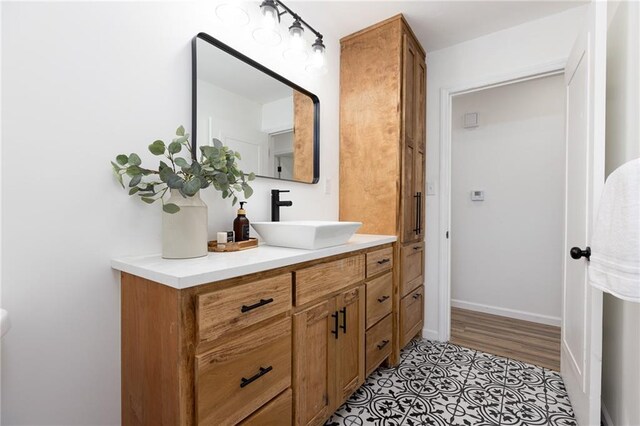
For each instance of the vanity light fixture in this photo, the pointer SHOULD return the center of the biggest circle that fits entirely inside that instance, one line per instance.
(295, 52)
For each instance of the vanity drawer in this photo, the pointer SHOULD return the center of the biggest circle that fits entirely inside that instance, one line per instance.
(235, 308)
(379, 261)
(317, 281)
(235, 379)
(276, 413)
(379, 298)
(412, 263)
(411, 315)
(378, 343)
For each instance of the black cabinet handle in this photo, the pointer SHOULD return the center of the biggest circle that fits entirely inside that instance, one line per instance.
(383, 298)
(343, 311)
(419, 213)
(383, 261)
(262, 302)
(244, 382)
(417, 295)
(577, 253)
(417, 247)
(335, 324)
(417, 228)
(383, 344)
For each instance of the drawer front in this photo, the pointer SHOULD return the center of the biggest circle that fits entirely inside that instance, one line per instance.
(412, 258)
(378, 343)
(275, 413)
(379, 298)
(411, 315)
(235, 379)
(230, 310)
(317, 281)
(379, 261)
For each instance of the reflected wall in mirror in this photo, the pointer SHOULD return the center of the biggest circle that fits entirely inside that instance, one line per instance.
(270, 121)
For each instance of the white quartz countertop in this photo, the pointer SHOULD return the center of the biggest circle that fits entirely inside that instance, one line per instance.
(185, 273)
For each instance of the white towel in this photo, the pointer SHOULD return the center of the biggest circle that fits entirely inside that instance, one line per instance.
(615, 245)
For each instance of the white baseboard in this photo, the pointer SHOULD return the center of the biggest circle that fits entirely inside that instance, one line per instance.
(430, 334)
(604, 415)
(505, 312)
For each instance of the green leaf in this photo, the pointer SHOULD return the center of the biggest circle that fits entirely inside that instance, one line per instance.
(181, 162)
(221, 178)
(191, 187)
(217, 143)
(252, 176)
(204, 184)
(235, 200)
(170, 208)
(148, 200)
(157, 147)
(195, 168)
(175, 182)
(166, 173)
(175, 147)
(248, 191)
(181, 139)
(237, 154)
(135, 181)
(122, 159)
(180, 131)
(134, 190)
(134, 159)
(207, 151)
(134, 171)
(117, 174)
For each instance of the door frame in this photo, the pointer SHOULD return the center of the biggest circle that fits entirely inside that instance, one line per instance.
(446, 99)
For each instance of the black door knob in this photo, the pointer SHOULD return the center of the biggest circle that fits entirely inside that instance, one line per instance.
(577, 252)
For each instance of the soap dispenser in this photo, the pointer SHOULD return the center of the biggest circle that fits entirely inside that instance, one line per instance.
(241, 224)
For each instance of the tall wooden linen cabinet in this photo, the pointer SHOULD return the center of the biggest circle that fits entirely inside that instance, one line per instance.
(382, 153)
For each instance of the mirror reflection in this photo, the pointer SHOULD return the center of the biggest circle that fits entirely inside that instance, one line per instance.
(270, 121)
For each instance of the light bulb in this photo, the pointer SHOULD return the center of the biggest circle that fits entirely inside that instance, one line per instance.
(269, 19)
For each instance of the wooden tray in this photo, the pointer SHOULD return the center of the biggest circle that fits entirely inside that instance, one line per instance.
(242, 245)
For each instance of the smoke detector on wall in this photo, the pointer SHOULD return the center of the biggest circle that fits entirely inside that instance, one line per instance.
(470, 120)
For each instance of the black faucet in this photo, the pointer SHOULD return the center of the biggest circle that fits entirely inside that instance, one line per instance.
(276, 204)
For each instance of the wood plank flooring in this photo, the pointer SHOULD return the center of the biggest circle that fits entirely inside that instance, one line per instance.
(525, 341)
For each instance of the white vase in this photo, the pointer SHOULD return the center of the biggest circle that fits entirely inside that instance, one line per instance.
(184, 234)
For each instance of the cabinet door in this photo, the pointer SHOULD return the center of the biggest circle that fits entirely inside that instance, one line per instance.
(420, 145)
(411, 316)
(350, 344)
(409, 205)
(314, 331)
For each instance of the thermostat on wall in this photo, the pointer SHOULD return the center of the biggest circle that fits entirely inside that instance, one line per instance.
(477, 195)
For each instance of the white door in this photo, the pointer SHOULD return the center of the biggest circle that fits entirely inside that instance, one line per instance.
(585, 78)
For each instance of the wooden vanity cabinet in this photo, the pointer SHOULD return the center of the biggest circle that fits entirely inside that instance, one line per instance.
(383, 147)
(280, 347)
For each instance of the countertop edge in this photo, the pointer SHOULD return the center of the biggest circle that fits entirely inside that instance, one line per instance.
(135, 264)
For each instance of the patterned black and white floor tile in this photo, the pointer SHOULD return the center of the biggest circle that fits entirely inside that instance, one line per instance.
(441, 384)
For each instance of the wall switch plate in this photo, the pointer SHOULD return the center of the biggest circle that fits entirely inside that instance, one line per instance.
(327, 186)
(431, 188)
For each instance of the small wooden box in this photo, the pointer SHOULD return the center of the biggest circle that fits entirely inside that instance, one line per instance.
(241, 245)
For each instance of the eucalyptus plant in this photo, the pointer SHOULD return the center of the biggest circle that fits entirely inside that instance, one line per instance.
(217, 167)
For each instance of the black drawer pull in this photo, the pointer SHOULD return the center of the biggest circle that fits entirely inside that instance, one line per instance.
(417, 247)
(343, 311)
(417, 295)
(335, 324)
(383, 298)
(383, 344)
(262, 302)
(244, 382)
(383, 261)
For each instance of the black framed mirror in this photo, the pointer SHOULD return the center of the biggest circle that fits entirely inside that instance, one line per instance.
(273, 123)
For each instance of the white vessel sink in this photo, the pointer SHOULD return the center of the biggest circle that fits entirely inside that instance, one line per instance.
(306, 234)
(4, 322)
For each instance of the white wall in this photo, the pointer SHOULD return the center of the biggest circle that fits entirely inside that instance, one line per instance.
(519, 48)
(621, 331)
(506, 251)
(83, 82)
